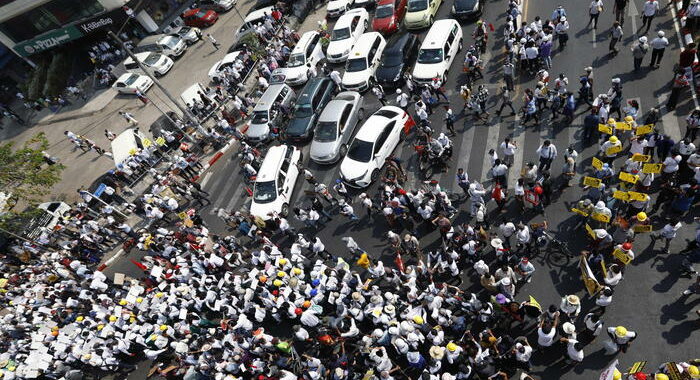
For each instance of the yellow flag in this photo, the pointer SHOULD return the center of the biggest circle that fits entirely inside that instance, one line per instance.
(622, 256)
(580, 212)
(614, 150)
(600, 217)
(598, 164)
(642, 228)
(635, 196)
(147, 143)
(590, 231)
(533, 302)
(160, 141)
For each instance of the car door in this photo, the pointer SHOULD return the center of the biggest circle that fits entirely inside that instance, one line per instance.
(454, 45)
(345, 123)
(282, 180)
(380, 147)
(393, 137)
(399, 9)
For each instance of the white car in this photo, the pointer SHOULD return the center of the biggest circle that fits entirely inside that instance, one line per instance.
(336, 8)
(159, 63)
(189, 34)
(275, 181)
(217, 71)
(374, 142)
(130, 82)
(217, 5)
(363, 62)
(345, 33)
(252, 19)
(439, 49)
(308, 51)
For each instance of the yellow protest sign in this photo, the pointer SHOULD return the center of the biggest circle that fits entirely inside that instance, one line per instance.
(605, 129)
(160, 141)
(600, 217)
(613, 150)
(635, 196)
(132, 151)
(642, 228)
(623, 126)
(641, 157)
(652, 168)
(598, 164)
(580, 212)
(147, 142)
(644, 129)
(592, 182)
(183, 215)
(621, 195)
(637, 367)
(627, 177)
(622, 256)
(589, 281)
(590, 231)
(188, 222)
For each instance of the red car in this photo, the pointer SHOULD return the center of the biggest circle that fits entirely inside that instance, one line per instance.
(200, 18)
(388, 15)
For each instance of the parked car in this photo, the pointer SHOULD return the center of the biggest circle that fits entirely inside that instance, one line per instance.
(128, 83)
(400, 53)
(363, 62)
(313, 97)
(216, 71)
(253, 18)
(189, 34)
(335, 8)
(365, 3)
(421, 13)
(374, 142)
(439, 49)
(467, 9)
(335, 127)
(388, 16)
(199, 17)
(308, 51)
(266, 113)
(345, 33)
(275, 181)
(172, 46)
(160, 64)
(217, 5)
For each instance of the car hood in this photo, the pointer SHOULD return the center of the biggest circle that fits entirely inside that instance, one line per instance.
(294, 72)
(298, 126)
(263, 209)
(465, 5)
(333, 5)
(323, 149)
(351, 169)
(214, 71)
(415, 16)
(428, 70)
(382, 23)
(355, 77)
(257, 130)
(339, 47)
(388, 73)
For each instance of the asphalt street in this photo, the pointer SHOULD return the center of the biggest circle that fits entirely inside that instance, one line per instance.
(648, 300)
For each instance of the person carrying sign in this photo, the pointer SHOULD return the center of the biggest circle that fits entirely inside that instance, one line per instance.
(610, 149)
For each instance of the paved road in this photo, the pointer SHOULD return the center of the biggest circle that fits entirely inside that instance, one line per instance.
(647, 300)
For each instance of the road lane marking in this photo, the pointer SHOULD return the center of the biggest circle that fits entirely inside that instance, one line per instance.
(465, 154)
(517, 136)
(206, 179)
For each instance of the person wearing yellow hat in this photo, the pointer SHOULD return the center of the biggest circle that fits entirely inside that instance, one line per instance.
(617, 375)
(610, 149)
(296, 271)
(122, 302)
(693, 371)
(620, 339)
(453, 352)
(277, 283)
(660, 376)
(139, 300)
(281, 274)
(417, 319)
(112, 318)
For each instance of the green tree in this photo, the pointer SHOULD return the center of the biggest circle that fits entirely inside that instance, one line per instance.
(25, 177)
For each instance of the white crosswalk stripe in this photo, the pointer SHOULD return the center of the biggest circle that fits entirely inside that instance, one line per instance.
(493, 131)
(518, 138)
(464, 154)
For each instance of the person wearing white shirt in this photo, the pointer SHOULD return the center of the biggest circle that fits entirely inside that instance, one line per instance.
(574, 350)
(402, 99)
(546, 332)
(658, 46)
(508, 149)
(594, 10)
(667, 233)
(671, 164)
(651, 9)
(547, 152)
(499, 171)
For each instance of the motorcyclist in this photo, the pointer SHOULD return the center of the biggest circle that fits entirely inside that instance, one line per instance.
(481, 35)
(472, 65)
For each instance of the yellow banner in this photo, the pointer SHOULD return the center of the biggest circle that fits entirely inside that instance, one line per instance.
(621, 195)
(644, 129)
(652, 168)
(623, 126)
(635, 196)
(592, 285)
(642, 228)
(605, 129)
(598, 164)
(133, 151)
(592, 182)
(600, 217)
(580, 212)
(533, 302)
(622, 256)
(614, 150)
(627, 177)
(641, 157)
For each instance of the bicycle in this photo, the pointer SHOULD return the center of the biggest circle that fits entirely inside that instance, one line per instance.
(558, 252)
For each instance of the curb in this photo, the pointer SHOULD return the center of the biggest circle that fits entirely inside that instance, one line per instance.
(215, 158)
(684, 38)
(110, 260)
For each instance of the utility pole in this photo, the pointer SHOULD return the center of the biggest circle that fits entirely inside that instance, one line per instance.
(184, 110)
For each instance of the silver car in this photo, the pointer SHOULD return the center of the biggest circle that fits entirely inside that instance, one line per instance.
(335, 127)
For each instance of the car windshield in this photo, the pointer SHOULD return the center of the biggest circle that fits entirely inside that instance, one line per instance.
(417, 5)
(360, 150)
(260, 117)
(184, 30)
(264, 192)
(392, 59)
(170, 42)
(131, 79)
(340, 34)
(201, 14)
(152, 59)
(296, 60)
(430, 56)
(384, 11)
(303, 110)
(465, 5)
(326, 131)
(356, 64)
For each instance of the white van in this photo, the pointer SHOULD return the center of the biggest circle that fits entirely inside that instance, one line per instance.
(126, 143)
(308, 51)
(363, 62)
(191, 95)
(160, 64)
(264, 116)
(275, 181)
(438, 51)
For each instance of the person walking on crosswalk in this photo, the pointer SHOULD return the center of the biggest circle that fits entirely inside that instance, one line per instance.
(547, 153)
(658, 46)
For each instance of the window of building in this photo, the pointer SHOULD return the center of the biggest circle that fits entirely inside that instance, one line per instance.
(49, 16)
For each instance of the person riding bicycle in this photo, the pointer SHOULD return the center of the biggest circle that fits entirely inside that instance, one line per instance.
(481, 35)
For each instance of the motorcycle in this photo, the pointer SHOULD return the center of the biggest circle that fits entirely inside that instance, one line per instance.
(429, 159)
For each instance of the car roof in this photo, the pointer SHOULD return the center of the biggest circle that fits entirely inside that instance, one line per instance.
(333, 110)
(303, 41)
(258, 14)
(369, 130)
(126, 75)
(271, 163)
(311, 87)
(385, 2)
(364, 43)
(230, 57)
(344, 20)
(191, 11)
(268, 97)
(438, 32)
(397, 42)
